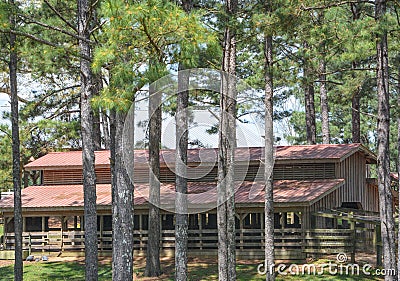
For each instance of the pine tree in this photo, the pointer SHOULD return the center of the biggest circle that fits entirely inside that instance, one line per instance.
(181, 221)
(384, 187)
(88, 157)
(13, 63)
(269, 150)
(226, 152)
(153, 267)
(122, 199)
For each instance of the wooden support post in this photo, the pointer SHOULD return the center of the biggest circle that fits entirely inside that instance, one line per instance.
(303, 234)
(5, 233)
(24, 224)
(63, 220)
(200, 222)
(141, 244)
(353, 241)
(378, 244)
(29, 244)
(101, 232)
(43, 230)
(43, 224)
(81, 222)
(241, 218)
(263, 230)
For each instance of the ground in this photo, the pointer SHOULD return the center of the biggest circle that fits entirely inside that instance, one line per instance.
(63, 268)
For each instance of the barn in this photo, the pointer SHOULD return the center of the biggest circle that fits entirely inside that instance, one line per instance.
(310, 181)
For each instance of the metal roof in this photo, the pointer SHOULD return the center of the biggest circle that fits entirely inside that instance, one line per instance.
(293, 192)
(336, 152)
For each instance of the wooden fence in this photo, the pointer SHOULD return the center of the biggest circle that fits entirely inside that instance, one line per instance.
(289, 243)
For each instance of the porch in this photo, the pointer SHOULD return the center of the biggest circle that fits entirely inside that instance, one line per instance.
(293, 241)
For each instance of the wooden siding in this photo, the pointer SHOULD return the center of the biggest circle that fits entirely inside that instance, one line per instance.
(353, 170)
(355, 189)
(372, 200)
(328, 202)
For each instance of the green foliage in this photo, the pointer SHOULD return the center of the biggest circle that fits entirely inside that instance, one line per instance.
(141, 42)
(5, 159)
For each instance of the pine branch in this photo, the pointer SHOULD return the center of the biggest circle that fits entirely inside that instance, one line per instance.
(52, 93)
(58, 113)
(60, 16)
(5, 132)
(6, 90)
(43, 41)
(55, 28)
(337, 4)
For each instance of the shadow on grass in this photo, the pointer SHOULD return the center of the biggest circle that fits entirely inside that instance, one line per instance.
(199, 270)
(70, 271)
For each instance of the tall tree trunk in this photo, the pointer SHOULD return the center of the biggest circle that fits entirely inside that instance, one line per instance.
(269, 154)
(356, 98)
(324, 102)
(153, 267)
(88, 157)
(106, 130)
(18, 265)
(227, 145)
(398, 157)
(181, 224)
(96, 130)
(309, 97)
(355, 117)
(122, 206)
(97, 86)
(384, 188)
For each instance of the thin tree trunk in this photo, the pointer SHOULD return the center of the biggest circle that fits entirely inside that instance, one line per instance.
(227, 145)
(269, 154)
(384, 188)
(88, 157)
(324, 102)
(96, 130)
(181, 225)
(153, 267)
(106, 130)
(356, 98)
(122, 207)
(18, 265)
(309, 102)
(398, 158)
(97, 83)
(355, 117)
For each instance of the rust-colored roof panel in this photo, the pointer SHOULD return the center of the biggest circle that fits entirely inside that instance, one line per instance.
(285, 191)
(73, 159)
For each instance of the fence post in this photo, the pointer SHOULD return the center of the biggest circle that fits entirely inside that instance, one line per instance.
(30, 244)
(353, 241)
(377, 244)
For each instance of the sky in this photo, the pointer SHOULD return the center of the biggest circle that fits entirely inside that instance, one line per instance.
(249, 134)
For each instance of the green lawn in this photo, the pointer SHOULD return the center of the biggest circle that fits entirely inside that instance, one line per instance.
(198, 271)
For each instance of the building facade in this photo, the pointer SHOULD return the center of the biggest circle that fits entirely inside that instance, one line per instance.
(307, 179)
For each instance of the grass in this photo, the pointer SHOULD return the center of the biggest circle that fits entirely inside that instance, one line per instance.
(199, 270)
(54, 271)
